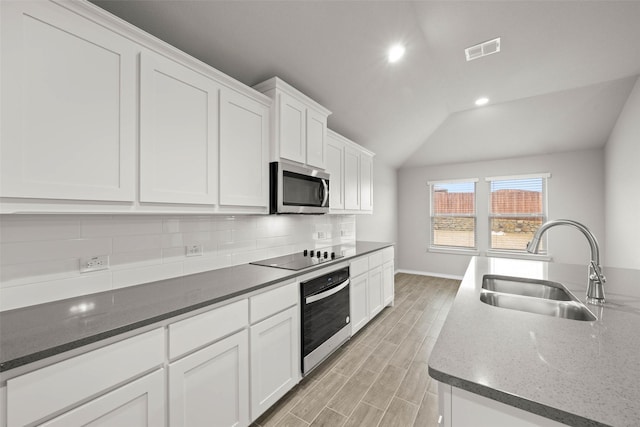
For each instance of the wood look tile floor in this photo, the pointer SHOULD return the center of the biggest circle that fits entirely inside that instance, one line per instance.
(378, 378)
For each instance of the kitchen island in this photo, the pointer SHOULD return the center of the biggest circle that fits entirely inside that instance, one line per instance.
(580, 373)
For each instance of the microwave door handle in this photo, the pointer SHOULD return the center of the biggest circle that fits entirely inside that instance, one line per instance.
(325, 192)
(326, 294)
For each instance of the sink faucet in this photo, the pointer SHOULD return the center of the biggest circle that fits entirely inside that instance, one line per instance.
(595, 288)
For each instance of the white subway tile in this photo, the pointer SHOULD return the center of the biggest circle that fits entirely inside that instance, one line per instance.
(33, 272)
(195, 224)
(173, 254)
(200, 264)
(36, 228)
(124, 260)
(38, 293)
(137, 276)
(136, 243)
(172, 240)
(171, 225)
(24, 252)
(121, 226)
(235, 247)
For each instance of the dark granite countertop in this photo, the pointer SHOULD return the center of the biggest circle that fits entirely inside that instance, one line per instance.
(579, 373)
(37, 332)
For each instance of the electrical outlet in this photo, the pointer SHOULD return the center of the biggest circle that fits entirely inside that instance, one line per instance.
(94, 263)
(193, 250)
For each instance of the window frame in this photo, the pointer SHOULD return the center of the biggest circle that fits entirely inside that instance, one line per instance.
(545, 215)
(432, 247)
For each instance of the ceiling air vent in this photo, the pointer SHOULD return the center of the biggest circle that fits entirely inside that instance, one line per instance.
(482, 49)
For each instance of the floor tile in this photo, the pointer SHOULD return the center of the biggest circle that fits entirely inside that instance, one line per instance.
(399, 413)
(328, 418)
(385, 386)
(365, 416)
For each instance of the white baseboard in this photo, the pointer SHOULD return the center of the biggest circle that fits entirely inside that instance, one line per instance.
(427, 273)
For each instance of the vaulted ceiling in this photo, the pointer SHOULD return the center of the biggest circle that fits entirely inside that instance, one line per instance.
(559, 83)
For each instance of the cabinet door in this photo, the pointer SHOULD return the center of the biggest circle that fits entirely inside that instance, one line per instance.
(292, 130)
(351, 178)
(244, 145)
(68, 106)
(335, 167)
(359, 302)
(211, 386)
(366, 182)
(316, 139)
(275, 359)
(388, 285)
(376, 292)
(178, 133)
(137, 404)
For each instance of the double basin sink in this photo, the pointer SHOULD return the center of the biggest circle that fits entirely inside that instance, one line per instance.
(533, 296)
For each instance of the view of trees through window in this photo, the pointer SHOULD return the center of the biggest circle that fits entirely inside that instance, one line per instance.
(516, 210)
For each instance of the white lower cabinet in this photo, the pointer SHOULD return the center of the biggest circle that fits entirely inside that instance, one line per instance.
(275, 359)
(388, 283)
(358, 302)
(371, 286)
(375, 292)
(140, 403)
(211, 386)
(460, 408)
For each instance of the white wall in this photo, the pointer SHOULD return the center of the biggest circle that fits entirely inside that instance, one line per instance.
(39, 254)
(575, 191)
(382, 225)
(622, 183)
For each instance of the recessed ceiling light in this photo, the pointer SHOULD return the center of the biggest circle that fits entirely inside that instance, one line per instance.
(396, 52)
(482, 101)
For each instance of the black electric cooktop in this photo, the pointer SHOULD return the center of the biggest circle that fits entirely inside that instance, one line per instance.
(302, 260)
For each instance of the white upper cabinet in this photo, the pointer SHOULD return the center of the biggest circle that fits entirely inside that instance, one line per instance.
(178, 133)
(316, 139)
(94, 110)
(366, 182)
(351, 178)
(68, 106)
(298, 124)
(292, 128)
(351, 170)
(244, 147)
(335, 167)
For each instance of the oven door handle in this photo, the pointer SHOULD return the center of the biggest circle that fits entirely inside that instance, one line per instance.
(326, 294)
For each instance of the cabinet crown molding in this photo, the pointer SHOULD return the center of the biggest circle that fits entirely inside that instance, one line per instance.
(279, 84)
(100, 16)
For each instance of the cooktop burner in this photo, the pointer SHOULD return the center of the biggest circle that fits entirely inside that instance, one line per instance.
(302, 260)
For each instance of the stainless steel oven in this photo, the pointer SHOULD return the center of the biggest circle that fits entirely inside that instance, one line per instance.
(298, 189)
(325, 316)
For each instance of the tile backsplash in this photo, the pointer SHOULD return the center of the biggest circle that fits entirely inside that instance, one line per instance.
(40, 255)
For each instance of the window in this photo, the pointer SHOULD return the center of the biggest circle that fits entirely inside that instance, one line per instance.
(453, 214)
(517, 207)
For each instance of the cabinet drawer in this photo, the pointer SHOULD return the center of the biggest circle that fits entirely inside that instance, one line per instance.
(375, 259)
(271, 302)
(387, 254)
(38, 394)
(359, 266)
(205, 328)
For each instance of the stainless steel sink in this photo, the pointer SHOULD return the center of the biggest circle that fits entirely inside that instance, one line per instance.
(526, 287)
(533, 296)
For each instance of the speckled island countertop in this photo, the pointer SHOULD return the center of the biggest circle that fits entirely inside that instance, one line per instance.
(579, 373)
(37, 332)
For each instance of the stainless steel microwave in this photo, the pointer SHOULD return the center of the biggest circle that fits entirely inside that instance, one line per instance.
(297, 189)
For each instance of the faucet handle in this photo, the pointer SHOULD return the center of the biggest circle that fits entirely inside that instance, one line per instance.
(596, 273)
